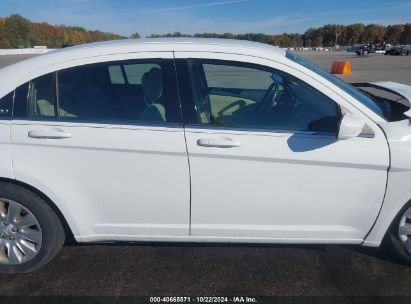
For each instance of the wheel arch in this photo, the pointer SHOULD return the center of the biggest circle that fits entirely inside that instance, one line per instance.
(388, 215)
(396, 217)
(67, 229)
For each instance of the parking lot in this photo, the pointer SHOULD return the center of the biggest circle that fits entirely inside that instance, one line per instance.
(210, 270)
(373, 67)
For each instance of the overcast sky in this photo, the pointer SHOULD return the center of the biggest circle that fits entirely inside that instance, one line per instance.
(192, 16)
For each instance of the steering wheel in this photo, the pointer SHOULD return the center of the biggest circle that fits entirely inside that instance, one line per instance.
(240, 103)
(269, 97)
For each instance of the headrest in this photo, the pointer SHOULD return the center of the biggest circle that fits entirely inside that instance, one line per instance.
(152, 84)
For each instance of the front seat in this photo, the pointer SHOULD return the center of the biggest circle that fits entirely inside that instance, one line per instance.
(152, 85)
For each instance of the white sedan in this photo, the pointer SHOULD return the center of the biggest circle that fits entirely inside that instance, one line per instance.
(196, 140)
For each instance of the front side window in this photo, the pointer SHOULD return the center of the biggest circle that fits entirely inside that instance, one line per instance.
(238, 95)
(125, 91)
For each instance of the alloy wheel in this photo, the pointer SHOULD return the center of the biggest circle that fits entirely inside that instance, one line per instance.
(20, 233)
(404, 230)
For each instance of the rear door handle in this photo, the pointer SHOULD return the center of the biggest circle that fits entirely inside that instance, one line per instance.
(49, 134)
(218, 143)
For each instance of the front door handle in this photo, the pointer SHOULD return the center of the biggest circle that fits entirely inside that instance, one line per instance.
(49, 134)
(218, 143)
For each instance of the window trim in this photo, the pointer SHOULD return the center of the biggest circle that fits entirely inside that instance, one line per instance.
(109, 123)
(186, 93)
(23, 100)
(190, 116)
(56, 101)
(7, 113)
(247, 130)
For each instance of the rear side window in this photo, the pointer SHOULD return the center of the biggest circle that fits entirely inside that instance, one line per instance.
(116, 75)
(125, 91)
(130, 73)
(135, 72)
(41, 96)
(6, 104)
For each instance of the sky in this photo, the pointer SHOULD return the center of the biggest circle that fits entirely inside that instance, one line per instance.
(198, 16)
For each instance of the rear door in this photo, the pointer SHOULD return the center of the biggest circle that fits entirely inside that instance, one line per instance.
(106, 143)
(264, 159)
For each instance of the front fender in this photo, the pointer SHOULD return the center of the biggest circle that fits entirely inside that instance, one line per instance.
(398, 191)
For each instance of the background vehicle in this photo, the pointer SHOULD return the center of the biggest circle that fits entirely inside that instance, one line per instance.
(194, 140)
(371, 48)
(366, 49)
(398, 50)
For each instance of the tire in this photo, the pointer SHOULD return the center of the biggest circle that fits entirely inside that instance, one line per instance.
(392, 243)
(47, 225)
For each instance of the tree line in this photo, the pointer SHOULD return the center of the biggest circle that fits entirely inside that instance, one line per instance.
(16, 31)
(326, 36)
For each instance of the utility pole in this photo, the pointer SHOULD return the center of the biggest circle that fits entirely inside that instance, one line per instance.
(337, 30)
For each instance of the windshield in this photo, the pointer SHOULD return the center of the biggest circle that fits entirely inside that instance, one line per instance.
(357, 94)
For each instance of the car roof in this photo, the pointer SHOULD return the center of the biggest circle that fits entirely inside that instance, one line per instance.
(11, 75)
(199, 43)
(233, 46)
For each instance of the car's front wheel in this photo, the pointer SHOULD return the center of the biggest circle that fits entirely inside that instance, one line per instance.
(398, 237)
(30, 231)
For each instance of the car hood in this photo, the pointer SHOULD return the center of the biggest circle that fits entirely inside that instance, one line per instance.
(396, 88)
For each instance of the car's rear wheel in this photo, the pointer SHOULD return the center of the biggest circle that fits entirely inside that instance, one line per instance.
(398, 238)
(30, 231)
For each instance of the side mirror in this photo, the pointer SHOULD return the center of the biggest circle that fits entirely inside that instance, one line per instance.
(350, 126)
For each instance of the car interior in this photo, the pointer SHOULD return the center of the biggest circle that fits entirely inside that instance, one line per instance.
(97, 92)
(283, 103)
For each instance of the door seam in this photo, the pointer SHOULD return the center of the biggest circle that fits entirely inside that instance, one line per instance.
(189, 176)
(386, 187)
(185, 140)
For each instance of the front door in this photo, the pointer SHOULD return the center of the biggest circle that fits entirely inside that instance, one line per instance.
(265, 162)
